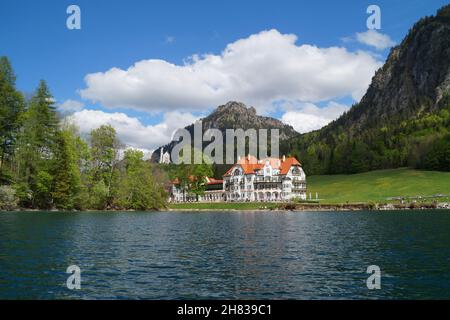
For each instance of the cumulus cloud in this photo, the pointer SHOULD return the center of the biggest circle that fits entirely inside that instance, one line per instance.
(130, 130)
(308, 117)
(71, 106)
(263, 68)
(375, 39)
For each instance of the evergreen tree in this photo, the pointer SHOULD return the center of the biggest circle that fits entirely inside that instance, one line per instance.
(66, 173)
(36, 146)
(11, 108)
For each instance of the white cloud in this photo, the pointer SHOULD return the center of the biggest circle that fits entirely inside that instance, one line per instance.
(71, 106)
(375, 39)
(308, 117)
(263, 68)
(169, 40)
(130, 130)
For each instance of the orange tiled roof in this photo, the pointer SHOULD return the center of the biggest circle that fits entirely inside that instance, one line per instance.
(213, 181)
(250, 164)
(287, 164)
(177, 181)
(208, 180)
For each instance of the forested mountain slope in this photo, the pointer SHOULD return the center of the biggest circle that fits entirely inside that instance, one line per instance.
(403, 119)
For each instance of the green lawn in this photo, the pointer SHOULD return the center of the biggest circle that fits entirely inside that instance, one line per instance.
(378, 185)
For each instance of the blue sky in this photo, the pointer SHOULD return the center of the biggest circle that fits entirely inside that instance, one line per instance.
(118, 34)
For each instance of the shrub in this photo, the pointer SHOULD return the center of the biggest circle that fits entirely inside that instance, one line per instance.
(8, 198)
(372, 205)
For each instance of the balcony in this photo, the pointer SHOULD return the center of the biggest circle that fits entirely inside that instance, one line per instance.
(267, 180)
(299, 189)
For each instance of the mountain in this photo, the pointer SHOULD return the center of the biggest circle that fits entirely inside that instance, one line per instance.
(235, 115)
(403, 119)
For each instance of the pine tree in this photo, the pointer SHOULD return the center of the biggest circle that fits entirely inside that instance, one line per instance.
(66, 173)
(36, 150)
(11, 108)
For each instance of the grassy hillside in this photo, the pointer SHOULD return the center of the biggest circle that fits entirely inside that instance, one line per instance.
(378, 185)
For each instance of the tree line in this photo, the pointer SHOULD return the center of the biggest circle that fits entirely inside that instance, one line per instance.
(420, 141)
(46, 164)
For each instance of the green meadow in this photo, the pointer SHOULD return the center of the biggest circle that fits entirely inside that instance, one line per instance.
(379, 185)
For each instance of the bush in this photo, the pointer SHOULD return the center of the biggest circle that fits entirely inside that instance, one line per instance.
(8, 198)
(24, 194)
(290, 206)
(99, 196)
(372, 205)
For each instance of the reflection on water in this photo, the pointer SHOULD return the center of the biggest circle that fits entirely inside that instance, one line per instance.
(247, 255)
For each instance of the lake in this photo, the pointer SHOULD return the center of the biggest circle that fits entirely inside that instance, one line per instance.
(221, 255)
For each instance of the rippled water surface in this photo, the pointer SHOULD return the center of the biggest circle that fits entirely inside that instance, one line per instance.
(245, 255)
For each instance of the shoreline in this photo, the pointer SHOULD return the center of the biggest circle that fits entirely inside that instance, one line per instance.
(286, 207)
(304, 207)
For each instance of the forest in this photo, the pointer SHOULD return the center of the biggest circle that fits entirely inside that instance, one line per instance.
(46, 164)
(421, 141)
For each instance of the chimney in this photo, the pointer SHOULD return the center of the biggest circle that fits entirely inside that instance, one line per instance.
(284, 158)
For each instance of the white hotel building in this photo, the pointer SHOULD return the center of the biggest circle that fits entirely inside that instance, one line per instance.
(269, 179)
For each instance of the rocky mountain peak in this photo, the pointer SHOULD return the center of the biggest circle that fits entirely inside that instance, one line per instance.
(444, 11)
(237, 107)
(236, 115)
(414, 79)
(402, 120)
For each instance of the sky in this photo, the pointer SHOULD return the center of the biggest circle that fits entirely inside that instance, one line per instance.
(150, 67)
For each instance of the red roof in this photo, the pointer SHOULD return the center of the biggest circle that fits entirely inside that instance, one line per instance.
(287, 164)
(209, 180)
(177, 181)
(250, 164)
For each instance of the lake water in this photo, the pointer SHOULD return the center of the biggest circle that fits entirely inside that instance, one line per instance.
(236, 255)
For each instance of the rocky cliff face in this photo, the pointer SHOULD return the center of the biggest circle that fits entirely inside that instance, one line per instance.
(403, 119)
(414, 79)
(236, 115)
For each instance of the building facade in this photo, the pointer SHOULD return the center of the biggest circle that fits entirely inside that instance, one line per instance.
(213, 192)
(269, 179)
(250, 179)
